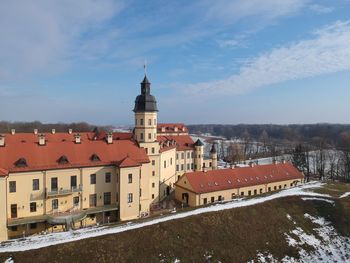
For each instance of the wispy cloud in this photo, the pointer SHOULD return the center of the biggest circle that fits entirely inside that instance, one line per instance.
(40, 35)
(320, 9)
(327, 52)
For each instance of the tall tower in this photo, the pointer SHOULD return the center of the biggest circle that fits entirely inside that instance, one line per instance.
(199, 155)
(214, 157)
(145, 114)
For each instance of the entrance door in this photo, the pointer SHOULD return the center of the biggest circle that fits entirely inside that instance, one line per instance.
(14, 211)
(185, 198)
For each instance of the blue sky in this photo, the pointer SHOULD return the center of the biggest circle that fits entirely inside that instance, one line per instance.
(224, 61)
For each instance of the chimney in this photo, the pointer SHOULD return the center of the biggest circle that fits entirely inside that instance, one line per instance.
(77, 138)
(2, 140)
(42, 139)
(13, 131)
(110, 138)
(183, 128)
(35, 131)
(176, 129)
(284, 161)
(53, 131)
(70, 131)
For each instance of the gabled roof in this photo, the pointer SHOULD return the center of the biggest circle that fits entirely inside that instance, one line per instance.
(223, 179)
(25, 146)
(128, 162)
(170, 128)
(183, 142)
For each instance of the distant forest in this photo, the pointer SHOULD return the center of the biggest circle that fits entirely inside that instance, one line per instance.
(330, 133)
(5, 127)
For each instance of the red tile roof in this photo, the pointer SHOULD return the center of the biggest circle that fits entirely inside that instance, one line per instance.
(170, 128)
(183, 142)
(25, 145)
(128, 162)
(217, 180)
(3, 172)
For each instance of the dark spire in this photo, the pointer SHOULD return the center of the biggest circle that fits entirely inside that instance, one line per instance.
(213, 148)
(198, 143)
(145, 102)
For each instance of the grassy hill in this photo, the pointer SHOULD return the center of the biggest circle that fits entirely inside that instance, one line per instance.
(286, 229)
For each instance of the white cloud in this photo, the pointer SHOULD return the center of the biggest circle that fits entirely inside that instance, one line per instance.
(40, 35)
(234, 10)
(327, 52)
(321, 9)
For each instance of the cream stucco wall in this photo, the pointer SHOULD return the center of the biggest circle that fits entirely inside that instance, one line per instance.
(167, 172)
(129, 211)
(145, 124)
(3, 212)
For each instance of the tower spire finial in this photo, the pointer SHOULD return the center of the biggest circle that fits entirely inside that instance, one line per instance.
(145, 67)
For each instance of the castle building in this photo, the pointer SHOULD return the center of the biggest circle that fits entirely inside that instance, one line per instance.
(54, 181)
(205, 187)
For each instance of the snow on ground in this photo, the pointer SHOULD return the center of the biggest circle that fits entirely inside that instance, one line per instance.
(39, 241)
(318, 199)
(345, 195)
(328, 245)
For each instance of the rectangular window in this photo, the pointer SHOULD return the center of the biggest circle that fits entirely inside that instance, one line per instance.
(141, 121)
(92, 178)
(153, 185)
(140, 192)
(205, 201)
(92, 200)
(275, 188)
(35, 184)
(188, 166)
(182, 167)
(152, 196)
(54, 204)
(255, 191)
(146, 149)
(12, 186)
(188, 155)
(192, 166)
(73, 182)
(76, 201)
(261, 190)
(269, 189)
(182, 156)
(33, 226)
(14, 228)
(150, 136)
(212, 199)
(149, 122)
(141, 135)
(155, 122)
(249, 192)
(164, 164)
(171, 161)
(130, 178)
(177, 156)
(220, 198)
(107, 177)
(233, 195)
(153, 150)
(242, 193)
(54, 184)
(192, 155)
(177, 167)
(14, 211)
(107, 198)
(153, 173)
(129, 198)
(280, 187)
(32, 206)
(153, 162)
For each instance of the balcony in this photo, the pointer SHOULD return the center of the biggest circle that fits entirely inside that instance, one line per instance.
(63, 191)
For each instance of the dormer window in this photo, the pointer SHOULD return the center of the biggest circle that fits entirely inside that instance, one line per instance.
(95, 158)
(63, 160)
(21, 162)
